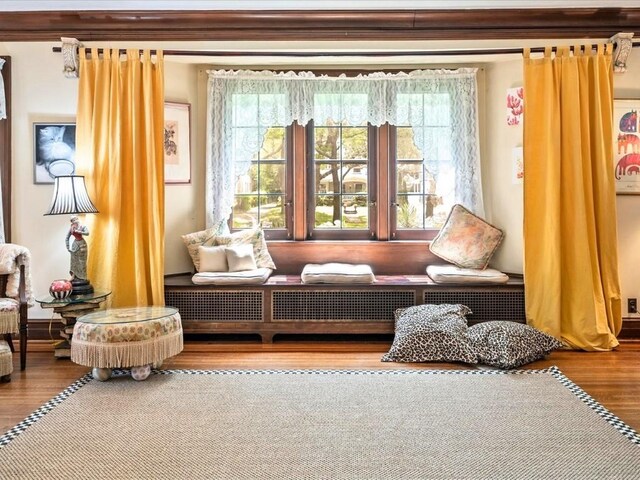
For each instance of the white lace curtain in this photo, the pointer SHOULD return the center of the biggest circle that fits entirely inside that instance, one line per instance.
(242, 105)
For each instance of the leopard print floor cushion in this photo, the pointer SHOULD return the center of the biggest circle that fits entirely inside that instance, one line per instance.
(431, 333)
(509, 344)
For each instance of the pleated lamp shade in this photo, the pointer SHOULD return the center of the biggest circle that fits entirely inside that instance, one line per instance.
(70, 196)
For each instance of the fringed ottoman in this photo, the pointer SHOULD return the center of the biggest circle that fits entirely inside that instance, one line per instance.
(139, 337)
(6, 362)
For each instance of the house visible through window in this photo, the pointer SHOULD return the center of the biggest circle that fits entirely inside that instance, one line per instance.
(339, 156)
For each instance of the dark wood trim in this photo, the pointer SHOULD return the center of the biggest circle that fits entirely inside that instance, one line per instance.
(5, 151)
(299, 186)
(461, 24)
(383, 194)
(385, 258)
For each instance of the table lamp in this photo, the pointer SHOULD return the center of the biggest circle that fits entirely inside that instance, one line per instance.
(70, 197)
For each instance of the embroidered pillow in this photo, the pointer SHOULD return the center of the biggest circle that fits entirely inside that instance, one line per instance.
(431, 333)
(213, 259)
(254, 237)
(466, 240)
(203, 237)
(240, 258)
(510, 344)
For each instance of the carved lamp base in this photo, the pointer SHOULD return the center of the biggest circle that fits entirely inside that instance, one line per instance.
(81, 287)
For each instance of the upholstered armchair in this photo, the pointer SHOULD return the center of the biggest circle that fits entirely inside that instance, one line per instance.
(15, 298)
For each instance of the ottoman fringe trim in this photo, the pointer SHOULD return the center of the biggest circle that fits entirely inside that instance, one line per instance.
(9, 322)
(126, 354)
(6, 359)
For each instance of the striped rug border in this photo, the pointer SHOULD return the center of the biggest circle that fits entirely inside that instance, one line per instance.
(554, 371)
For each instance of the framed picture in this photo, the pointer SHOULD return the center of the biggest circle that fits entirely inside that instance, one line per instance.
(626, 146)
(54, 150)
(177, 143)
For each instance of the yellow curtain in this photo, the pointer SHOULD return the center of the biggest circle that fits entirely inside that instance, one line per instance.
(120, 137)
(570, 239)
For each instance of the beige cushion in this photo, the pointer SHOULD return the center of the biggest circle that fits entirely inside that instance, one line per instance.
(213, 259)
(466, 240)
(240, 258)
(204, 237)
(254, 237)
(247, 277)
(453, 274)
(337, 273)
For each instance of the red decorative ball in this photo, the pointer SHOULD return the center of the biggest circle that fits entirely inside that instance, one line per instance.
(60, 289)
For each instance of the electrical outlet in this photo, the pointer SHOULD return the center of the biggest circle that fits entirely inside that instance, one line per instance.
(632, 305)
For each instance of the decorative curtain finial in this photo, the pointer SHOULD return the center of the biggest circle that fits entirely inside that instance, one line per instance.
(623, 49)
(70, 57)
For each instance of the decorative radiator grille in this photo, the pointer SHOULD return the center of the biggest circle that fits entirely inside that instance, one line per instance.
(216, 306)
(485, 305)
(339, 306)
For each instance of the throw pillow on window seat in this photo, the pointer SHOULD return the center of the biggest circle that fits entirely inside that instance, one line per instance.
(431, 333)
(253, 237)
(466, 240)
(240, 258)
(204, 237)
(468, 276)
(213, 259)
(510, 344)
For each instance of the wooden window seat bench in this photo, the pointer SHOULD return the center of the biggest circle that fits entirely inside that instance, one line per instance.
(285, 305)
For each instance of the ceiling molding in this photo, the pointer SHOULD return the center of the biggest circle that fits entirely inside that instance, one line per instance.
(319, 25)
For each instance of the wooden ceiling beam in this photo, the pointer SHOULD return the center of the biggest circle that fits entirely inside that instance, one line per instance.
(320, 25)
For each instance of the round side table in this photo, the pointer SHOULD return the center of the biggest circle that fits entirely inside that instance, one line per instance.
(136, 338)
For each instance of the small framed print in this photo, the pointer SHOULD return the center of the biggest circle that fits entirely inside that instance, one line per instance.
(177, 143)
(626, 146)
(54, 150)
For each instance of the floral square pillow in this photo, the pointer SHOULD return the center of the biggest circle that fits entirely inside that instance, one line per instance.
(466, 240)
(254, 237)
(203, 238)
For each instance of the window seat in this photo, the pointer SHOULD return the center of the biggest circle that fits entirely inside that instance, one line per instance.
(285, 305)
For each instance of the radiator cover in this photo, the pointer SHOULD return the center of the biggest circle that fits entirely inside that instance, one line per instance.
(339, 305)
(217, 306)
(506, 305)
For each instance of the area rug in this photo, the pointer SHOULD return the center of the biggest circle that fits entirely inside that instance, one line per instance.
(308, 424)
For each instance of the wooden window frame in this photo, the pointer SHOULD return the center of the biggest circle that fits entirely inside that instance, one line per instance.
(371, 232)
(395, 232)
(285, 233)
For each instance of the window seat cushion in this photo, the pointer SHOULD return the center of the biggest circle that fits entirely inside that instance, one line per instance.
(337, 273)
(471, 276)
(245, 277)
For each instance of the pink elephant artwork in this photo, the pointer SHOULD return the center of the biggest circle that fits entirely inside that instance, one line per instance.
(515, 105)
(626, 146)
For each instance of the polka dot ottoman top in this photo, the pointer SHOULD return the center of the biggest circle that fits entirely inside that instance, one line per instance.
(126, 337)
(127, 324)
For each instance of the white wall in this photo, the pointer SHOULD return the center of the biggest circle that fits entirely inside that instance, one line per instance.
(503, 198)
(626, 86)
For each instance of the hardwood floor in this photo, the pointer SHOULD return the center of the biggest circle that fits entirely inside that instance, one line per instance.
(612, 378)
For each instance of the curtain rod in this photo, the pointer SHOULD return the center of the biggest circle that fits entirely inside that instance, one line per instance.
(419, 53)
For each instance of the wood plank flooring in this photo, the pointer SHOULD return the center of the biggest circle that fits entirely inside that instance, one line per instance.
(612, 378)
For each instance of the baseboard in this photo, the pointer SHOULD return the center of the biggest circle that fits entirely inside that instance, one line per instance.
(40, 328)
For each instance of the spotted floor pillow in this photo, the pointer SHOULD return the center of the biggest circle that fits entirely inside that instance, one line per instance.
(431, 333)
(509, 344)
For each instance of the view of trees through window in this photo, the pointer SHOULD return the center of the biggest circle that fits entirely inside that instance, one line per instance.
(259, 197)
(424, 180)
(341, 181)
(341, 172)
